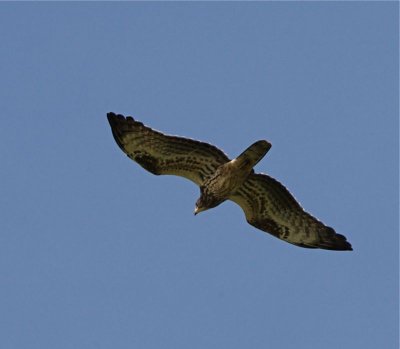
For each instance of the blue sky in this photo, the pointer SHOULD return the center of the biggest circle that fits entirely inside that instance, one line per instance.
(97, 253)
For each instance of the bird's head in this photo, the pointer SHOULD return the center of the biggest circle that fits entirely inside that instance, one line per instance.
(206, 202)
(200, 206)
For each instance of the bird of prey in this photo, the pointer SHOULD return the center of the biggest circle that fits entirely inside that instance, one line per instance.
(266, 203)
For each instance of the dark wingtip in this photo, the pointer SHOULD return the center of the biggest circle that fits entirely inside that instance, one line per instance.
(335, 242)
(121, 125)
(114, 118)
(343, 244)
(345, 247)
(330, 240)
(348, 248)
(115, 121)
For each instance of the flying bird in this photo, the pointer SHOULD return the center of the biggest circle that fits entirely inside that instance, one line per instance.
(266, 203)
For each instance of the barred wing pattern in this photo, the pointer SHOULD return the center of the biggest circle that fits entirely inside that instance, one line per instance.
(269, 206)
(163, 154)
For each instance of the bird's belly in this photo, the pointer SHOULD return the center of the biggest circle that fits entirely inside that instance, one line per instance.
(227, 185)
(227, 180)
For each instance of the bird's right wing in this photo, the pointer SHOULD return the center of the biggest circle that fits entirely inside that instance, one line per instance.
(163, 154)
(269, 206)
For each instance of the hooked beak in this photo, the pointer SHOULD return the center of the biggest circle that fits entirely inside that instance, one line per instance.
(199, 209)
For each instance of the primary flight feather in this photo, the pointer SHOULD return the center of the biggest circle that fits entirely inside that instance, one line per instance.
(266, 203)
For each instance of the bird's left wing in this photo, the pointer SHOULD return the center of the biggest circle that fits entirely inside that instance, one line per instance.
(163, 154)
(269, 206)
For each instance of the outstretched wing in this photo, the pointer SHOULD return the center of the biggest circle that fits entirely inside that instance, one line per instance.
(163, 154)
(269, 206)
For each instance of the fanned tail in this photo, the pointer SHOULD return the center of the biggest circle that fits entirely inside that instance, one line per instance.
(253, 154)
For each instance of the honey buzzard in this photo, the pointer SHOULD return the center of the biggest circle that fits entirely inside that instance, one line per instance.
(266, 203)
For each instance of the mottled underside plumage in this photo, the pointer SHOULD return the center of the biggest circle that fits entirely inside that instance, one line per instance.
(267, 204)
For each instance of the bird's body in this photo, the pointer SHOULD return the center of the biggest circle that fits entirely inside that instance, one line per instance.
(267, 204)
(229, 177)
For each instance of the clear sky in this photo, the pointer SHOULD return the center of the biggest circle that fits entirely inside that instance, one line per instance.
(95, 252)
